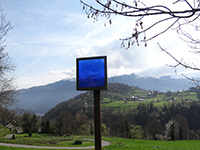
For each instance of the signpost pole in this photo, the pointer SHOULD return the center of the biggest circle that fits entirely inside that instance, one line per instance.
(97, 119)
(91, 74)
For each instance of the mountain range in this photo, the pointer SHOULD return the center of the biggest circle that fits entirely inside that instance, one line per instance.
(164, 83)
(40, 99)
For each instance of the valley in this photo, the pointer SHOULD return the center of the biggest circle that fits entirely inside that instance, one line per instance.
(40, 99)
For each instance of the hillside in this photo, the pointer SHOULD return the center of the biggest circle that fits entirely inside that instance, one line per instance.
(131, 112)
(119, 97)
(84, 102)
(42, 98)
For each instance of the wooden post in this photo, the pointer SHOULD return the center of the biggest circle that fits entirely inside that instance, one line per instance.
(97, 119)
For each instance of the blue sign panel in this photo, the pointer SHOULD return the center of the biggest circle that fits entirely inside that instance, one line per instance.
(92, 73)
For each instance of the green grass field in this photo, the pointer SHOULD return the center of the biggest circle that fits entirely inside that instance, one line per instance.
(159, 100)
(118, 144)
(130, 144)
(47, 140)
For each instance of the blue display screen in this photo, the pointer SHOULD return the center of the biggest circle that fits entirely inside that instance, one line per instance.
(91, 73)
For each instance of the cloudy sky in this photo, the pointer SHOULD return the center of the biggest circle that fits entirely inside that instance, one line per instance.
(49, 35)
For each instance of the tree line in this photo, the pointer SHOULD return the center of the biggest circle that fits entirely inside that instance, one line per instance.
(173, 121)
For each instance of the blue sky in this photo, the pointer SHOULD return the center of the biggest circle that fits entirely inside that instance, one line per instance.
(49, 35)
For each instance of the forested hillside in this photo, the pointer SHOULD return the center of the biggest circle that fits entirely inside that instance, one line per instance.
(84, 102)
(42, 98)
(132, 113)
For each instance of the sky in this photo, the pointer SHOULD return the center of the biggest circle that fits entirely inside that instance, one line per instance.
(49, 35)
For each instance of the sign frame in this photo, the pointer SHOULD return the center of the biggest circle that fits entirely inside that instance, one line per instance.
(78, 60)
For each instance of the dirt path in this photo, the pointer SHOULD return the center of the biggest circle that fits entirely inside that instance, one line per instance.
(104, 143)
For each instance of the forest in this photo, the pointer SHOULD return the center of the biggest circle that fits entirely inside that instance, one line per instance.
(159, 116)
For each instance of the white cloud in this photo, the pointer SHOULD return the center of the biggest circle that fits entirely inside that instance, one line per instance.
(63, 74)
(67, 34)
(52, 76)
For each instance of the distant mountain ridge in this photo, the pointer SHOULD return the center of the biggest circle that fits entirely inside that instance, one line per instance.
(42, 98)
(164, 83)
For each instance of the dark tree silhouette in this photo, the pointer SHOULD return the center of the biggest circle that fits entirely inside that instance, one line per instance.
(7, 89)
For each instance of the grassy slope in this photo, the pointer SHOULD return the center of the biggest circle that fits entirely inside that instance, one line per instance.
(159, 100)
(130, 144)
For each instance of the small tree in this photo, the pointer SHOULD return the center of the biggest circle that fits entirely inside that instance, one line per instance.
(64, 123)
(30, 123)
(136, 132)
(183, 127)
(46, 127)
(172, 130)
(26, 125)
(153, 128)
(35, 123)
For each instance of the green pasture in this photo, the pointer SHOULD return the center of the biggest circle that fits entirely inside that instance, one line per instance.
(187, 95)
(47, 140)
(119, 105)
(131, 144)
(116, 143)
(159, 100)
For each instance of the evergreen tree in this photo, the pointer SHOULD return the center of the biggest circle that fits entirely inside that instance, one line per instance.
(30, 123)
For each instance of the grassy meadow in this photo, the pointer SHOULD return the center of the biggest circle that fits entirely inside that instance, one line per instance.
(159, 100)
(47, 140)
(116, 143)
(131, 144)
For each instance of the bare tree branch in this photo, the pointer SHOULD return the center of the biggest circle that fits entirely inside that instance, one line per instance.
(164, 30)
(193, 81)
(140, 10)
(132, 11)
(6, 66)
(179, 63)
(180, 17)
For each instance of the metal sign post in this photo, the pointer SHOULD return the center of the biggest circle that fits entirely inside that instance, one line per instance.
(92, 75)
(97, 119)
